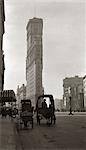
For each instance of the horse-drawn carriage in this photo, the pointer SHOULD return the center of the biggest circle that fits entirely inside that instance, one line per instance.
(26, 113)
(45, 109)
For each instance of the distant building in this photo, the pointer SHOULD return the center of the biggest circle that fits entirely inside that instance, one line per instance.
(73, 87)
(59, 105)
(2, 66)
(84, 85)
(21, 94)
(34, 64)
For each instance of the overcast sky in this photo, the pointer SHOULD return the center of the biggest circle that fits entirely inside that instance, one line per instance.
(64, 41)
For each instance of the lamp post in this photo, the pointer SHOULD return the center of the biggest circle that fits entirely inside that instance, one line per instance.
(70, 101)
(70, 113)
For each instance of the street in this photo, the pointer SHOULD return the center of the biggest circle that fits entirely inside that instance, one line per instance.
(69, 133)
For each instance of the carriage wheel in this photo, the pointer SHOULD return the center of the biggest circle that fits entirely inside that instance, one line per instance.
(32, 122)
(38, 120)
(51, 119)
(54, 119)
(25, 123)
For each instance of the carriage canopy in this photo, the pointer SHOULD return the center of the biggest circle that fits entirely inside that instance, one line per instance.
(7, 96)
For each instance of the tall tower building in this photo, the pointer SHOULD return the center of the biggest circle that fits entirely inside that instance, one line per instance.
(34, 64)
(2, 19)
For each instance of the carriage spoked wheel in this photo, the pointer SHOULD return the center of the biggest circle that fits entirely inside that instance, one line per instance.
(52, 120)
(32, 122)
(38, 120)
(25, 123)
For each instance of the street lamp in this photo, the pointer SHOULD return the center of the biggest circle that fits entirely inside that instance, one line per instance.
(70, 113)
(70, 98)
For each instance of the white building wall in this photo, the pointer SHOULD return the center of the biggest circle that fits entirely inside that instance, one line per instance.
(31, 80)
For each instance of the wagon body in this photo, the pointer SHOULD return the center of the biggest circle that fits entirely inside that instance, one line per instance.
(48, 112)
(26, 113)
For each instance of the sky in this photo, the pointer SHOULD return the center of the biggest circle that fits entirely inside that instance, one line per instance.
(64, 38)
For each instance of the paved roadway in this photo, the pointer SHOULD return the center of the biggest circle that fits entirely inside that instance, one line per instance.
(69, 133)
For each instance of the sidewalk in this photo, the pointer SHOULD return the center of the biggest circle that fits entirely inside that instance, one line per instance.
(8, 139)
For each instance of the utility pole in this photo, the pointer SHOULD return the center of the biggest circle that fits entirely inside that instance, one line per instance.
(70, 101)
(70, 113)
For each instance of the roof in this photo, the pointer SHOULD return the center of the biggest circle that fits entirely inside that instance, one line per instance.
(7, 96)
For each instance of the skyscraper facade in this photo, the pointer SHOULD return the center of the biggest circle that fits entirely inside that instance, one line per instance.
(34, 62)
(2, 19)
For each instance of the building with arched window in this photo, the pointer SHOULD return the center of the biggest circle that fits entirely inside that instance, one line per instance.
(73, 87)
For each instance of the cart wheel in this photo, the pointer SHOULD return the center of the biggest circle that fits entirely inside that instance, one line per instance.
(25, 124)
(54, 119)
(32, 123)
(48, 121)
(39, 121)
(51, 119)
(37, 118)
